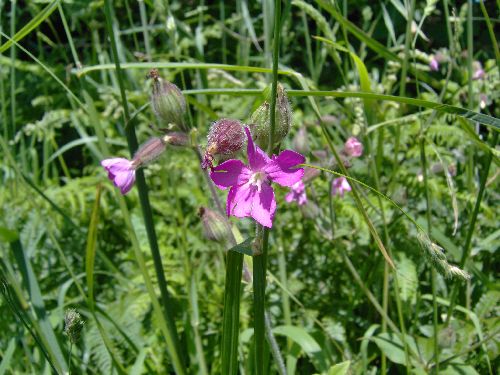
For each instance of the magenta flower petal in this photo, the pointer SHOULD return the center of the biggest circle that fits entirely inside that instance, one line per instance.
(231, 172)
(239, 200)
(264, 206)
(290, 197)
(279, 169)
(121, 172)
(116, 165)
(257, 158)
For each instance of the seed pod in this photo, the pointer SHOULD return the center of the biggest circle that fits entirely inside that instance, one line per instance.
(168, 102)
(225, 138)
(215, 227)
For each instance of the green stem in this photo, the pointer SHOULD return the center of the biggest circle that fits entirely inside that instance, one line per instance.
(404, 73)
(173, 344)
(472, 226)
(231, 314)
(260, 260)
(423, 160)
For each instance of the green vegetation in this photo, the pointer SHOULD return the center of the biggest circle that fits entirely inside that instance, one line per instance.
(388, 268)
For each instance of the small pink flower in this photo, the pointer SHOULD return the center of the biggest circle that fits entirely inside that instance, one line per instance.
(121, 171)
(353, 147)
(434, 64)
(251, 194)
(340, 186)
(478, 74)
(297, 193)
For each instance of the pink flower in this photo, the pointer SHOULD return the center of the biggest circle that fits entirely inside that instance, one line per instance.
(340, 186)
(478, 74)
(434, 64)
(353, 147)
(251, 194)
(297, 193)
(121, 171)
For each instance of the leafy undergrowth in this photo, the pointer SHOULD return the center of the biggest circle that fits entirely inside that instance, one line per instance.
(424, 191)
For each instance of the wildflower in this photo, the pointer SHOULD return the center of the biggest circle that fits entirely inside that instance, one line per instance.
(353, 147)
(478, 71)
(251, 194)
(122, 171)
(297, 193)
(434, 64)
(340, 186)
(225, 138)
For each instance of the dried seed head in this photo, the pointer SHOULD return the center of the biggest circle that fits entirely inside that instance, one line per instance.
(225, 138)
(168, 102)
(73, 324)
(215, 226)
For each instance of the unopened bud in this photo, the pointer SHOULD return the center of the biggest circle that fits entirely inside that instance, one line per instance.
(215, 226)
(176, 139)
(168, 102)
(260, 121)
(73, 324)
(148, 152)
(225, 138)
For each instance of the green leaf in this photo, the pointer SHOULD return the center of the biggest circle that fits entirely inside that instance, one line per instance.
(7, 235)
(30, 26)
(459, 369)
(341, 368)
(245, 247)
(463, 113)
(7, 356)
(308, 344)
(44, 327)
(408, 278)
(392, 346)
(90, 249)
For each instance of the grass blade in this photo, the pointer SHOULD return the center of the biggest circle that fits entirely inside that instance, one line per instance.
(30, 26)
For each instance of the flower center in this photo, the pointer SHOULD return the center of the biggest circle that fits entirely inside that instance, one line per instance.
(257, 179)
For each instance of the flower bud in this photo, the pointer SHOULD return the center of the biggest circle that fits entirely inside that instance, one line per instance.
(353, 148)
(168, 102)
(73, 324)
(176, 139)
(225, 138)
(215, 226)
(260, 121)
(148, 152)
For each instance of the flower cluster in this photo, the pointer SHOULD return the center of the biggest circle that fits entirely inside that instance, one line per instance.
(353, 148)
